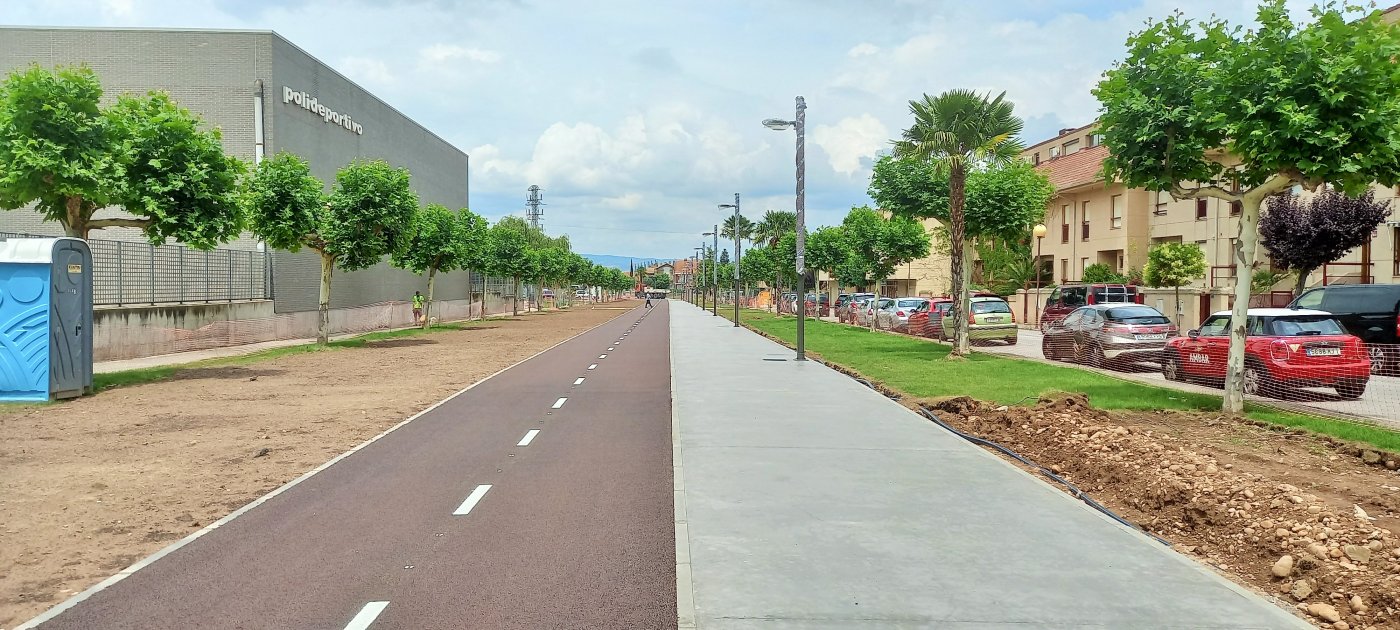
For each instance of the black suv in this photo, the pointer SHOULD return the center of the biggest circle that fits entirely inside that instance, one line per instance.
(1368, 311)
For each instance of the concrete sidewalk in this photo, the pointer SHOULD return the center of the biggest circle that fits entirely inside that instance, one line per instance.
(805, 500)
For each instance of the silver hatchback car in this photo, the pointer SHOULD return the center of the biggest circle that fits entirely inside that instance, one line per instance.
(1103, 333)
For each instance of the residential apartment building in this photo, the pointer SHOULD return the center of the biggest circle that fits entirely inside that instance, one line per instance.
(1091, 220)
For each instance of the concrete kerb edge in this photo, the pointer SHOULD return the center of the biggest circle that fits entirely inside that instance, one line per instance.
(685, 589)
(173, 547)
(1263, 599)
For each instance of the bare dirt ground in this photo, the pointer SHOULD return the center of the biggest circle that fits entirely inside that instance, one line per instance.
(90, 486)
(1308, 520)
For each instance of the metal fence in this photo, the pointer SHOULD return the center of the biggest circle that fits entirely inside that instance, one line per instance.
(133, 273)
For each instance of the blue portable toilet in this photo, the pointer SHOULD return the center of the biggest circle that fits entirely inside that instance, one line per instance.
(45, 319)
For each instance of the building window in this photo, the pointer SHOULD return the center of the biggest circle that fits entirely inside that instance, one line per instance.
(1236, 208)
(1159, 207)
(1093, 140)
(1122, 261)
(1072, 146)
(1116, 220)
(1064, 270)
(1064, 227)
(1054, 152)
(1084, 222)
(1037, 158)
(1202, 209)
(1395, 247)
(1083, 264)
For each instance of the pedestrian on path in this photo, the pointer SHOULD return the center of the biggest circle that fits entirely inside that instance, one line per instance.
(417, 307)
(648, 300)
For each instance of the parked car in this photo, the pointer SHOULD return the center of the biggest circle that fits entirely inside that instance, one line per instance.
(547, 294)
(896, 317)
(851, 313)
(1371, 312)
(1065, 298)
(926, 321)
(1285, 348)
(1103, 333)
(988, 318)
(867, 312)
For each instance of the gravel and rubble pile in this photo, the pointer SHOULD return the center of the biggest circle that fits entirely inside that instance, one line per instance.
(1337, 564)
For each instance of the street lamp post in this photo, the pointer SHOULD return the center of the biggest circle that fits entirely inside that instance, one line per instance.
(800, 125)
(694, 277)
(738, 256)
(1039, 232)
(714, 269)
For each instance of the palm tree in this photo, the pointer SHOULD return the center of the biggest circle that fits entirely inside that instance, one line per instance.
(770, 230)
(960, 130)
(746, 228)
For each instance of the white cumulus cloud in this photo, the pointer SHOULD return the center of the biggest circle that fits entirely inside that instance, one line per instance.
(850, 141)
(442, 53)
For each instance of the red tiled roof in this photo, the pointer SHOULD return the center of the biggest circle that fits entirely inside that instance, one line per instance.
(1075, 169)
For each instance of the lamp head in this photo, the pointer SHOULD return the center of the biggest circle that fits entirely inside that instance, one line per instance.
(1039, 230)
(779, 125)
(727, 206)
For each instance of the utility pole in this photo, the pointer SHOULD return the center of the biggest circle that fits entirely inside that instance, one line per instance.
(534, 211)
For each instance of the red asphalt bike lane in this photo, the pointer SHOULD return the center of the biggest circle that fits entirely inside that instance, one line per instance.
(576, 531)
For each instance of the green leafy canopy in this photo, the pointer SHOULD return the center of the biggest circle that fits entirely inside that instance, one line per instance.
(1174, 265)
(369, 214)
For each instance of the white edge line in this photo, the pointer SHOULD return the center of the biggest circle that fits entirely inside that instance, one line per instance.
(685, 587)
(559, 403)
(472, 499)
(144, 562)
(529, 437)
(367, 615)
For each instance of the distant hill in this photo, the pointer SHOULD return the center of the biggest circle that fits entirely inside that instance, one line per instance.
(617, 262)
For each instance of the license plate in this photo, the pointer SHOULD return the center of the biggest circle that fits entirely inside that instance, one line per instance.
(1150, 337)
(1324, 352)
(993, 320)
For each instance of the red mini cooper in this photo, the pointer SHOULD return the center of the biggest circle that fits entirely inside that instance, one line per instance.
(1285, 349)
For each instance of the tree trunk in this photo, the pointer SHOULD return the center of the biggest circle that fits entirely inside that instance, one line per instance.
(428, 305)
(875, 305)
(1178, 307)
(832, 287)
(1246, 244)
(1302, 284)
(75, 225)
(323, 324)
(515, 299)
(957, 234)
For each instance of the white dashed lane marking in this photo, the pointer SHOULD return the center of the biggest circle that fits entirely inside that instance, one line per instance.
(579, 381)
(529, 436)
(367, 615)
(594, 366)
(602, 356)
(559, 403)
(472, 500)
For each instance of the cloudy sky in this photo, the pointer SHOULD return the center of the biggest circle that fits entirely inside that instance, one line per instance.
(638, 117)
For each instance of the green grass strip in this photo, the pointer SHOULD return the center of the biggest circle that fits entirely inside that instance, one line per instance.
(922, 369)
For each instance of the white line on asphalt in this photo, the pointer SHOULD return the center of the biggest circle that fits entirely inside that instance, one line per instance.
(593, 366)
(559, 403)
(529, 435)
(602, 356)
(472, 500)
(579, 381)
(367, 615)
(609, 349)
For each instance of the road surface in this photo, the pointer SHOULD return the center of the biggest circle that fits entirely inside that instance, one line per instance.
(540, 498)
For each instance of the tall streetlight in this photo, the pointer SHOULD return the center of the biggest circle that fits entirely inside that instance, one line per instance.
(694, 277)
(737, 255)
(1039, 232)
(800, 125)
(714, 270)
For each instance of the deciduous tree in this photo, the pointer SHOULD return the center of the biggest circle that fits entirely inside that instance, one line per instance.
(441, 240)
(1302, 235)
(880, 244)
(1174, 265)
(1206, 109)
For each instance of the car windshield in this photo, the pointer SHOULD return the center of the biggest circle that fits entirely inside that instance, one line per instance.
(1301, 325)
(885, 302)
(1137, 315)
(990, 306)
(910, 303)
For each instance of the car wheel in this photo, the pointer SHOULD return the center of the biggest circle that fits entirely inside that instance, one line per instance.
(1096, 356)
(1351, 388)
(1379, 363)
(1171, 367)
(1010, 341)
(1258, 381)
(1047, 348)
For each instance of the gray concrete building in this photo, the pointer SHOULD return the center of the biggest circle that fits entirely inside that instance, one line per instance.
(266, 95)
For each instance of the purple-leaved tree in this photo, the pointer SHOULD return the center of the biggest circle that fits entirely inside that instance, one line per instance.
(1302, 235)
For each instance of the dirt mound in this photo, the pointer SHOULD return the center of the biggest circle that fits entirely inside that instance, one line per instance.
(1303, 518)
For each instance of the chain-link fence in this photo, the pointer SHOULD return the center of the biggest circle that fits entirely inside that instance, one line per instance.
(133, 273)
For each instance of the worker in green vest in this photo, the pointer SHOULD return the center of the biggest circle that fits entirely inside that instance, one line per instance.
(417, 307)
